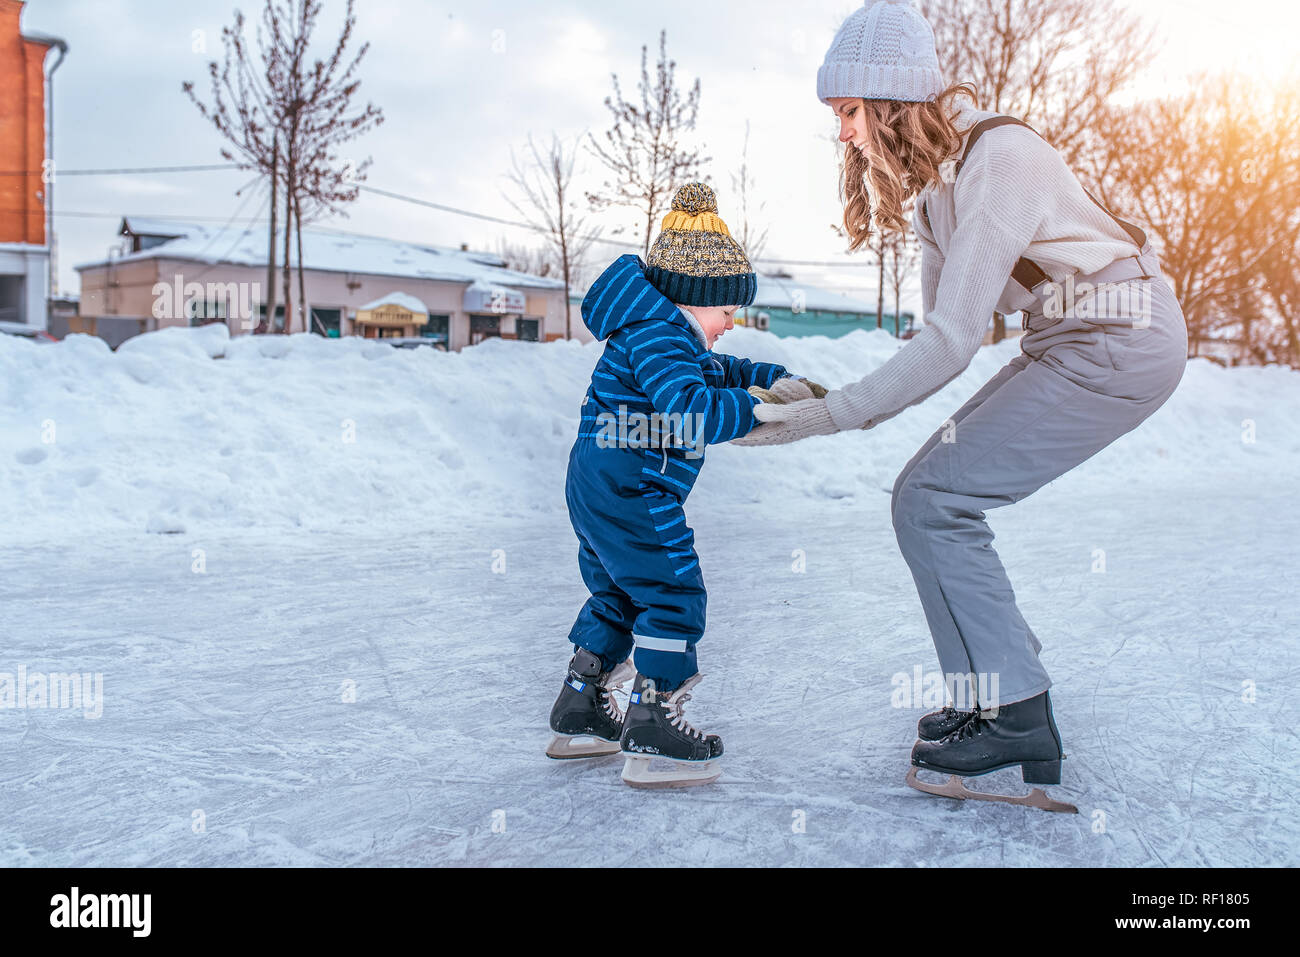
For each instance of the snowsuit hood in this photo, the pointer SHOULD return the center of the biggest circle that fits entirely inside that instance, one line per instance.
(624, 274)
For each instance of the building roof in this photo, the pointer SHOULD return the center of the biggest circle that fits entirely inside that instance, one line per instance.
(779, 292)
(782, 292)
(49, 40)
(322, 250)
(405, 300)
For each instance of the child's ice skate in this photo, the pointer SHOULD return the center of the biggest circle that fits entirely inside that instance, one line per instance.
(585, 717)
(662, 749)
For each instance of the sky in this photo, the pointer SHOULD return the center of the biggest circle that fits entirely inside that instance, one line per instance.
(461, 85)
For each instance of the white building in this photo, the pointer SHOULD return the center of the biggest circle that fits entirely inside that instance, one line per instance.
(176, 273)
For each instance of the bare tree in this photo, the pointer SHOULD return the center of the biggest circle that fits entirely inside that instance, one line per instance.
(548, 204)
(315, 106)
(1281, 283)
(752, 239)
(903, 255)
(877, 243)
(287, 120)
(1214, 174)
(527, 259)
(1056, 64)
(644, 150)
(243, 112)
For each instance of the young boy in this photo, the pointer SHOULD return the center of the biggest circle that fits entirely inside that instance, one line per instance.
(658, 395)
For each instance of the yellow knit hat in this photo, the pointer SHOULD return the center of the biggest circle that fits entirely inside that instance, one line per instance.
(694, 261)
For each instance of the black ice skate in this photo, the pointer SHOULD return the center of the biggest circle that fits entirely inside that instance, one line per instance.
(1020, 734)
(585, 718)
(662, 749)
(940, 724)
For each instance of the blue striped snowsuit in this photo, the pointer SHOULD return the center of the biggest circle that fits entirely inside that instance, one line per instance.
(636, 552)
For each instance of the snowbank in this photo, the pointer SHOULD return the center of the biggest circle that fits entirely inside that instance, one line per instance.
(187, 430)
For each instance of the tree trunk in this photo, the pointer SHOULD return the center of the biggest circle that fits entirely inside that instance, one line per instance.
(287, 275)
(568, 307)
(268, 319)
(302, 290)
(880, 291)
(894, 287)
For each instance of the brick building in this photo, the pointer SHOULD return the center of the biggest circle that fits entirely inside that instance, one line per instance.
(24, 194)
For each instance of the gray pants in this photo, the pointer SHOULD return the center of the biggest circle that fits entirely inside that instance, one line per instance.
(1078, 385)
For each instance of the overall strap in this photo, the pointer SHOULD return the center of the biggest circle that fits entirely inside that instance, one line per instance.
(982, 127)
(1134, 233)
(1027, 272)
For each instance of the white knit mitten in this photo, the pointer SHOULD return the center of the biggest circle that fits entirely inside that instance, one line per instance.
(789, 389)
(789, 423)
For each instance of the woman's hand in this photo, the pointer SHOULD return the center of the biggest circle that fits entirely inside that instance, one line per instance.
(789, 423)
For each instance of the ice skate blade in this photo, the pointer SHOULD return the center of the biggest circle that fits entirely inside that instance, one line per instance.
(638, 772)
(956, 788)
(565, 746)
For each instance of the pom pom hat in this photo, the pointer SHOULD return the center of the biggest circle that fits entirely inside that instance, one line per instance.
(695, 262)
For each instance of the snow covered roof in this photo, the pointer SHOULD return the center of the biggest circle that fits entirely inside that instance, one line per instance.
(322, 250)
(46, 38)
(486, 290)
(781, 292)
(490, 297)
(778, 292)
(403, 299)
(141, 226)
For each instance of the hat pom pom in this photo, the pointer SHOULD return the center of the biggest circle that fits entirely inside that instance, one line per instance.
(695, 198)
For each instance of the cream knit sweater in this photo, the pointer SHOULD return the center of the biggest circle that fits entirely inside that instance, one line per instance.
(1014, 197)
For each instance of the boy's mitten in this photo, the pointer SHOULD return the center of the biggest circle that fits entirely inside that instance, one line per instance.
(794, 383)
(788, 389)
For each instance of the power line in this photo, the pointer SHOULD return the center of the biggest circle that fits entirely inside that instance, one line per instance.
(402, 197)
(120, 172)
(238, 239)
(447, 209)
(168, 217)
(165, 217)
(442, 207)
(612, 242)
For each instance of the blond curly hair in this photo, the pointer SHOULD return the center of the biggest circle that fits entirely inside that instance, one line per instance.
(905, 144)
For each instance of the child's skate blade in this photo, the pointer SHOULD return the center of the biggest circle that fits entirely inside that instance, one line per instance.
(653, 771)
(955, 787)
(565, 746)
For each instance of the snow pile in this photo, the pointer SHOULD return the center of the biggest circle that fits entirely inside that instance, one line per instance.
(187, 430)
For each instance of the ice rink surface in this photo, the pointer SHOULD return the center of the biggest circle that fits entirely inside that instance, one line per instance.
(323, 650)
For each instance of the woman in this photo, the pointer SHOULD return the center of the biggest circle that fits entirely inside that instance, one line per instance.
(1005, 227)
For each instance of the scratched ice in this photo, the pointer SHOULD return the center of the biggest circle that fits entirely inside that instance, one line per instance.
(328, 587)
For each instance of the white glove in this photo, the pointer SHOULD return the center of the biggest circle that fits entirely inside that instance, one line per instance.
(789, 423)
(789, 389)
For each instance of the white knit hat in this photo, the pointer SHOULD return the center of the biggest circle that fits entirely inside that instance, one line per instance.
(884, 51)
